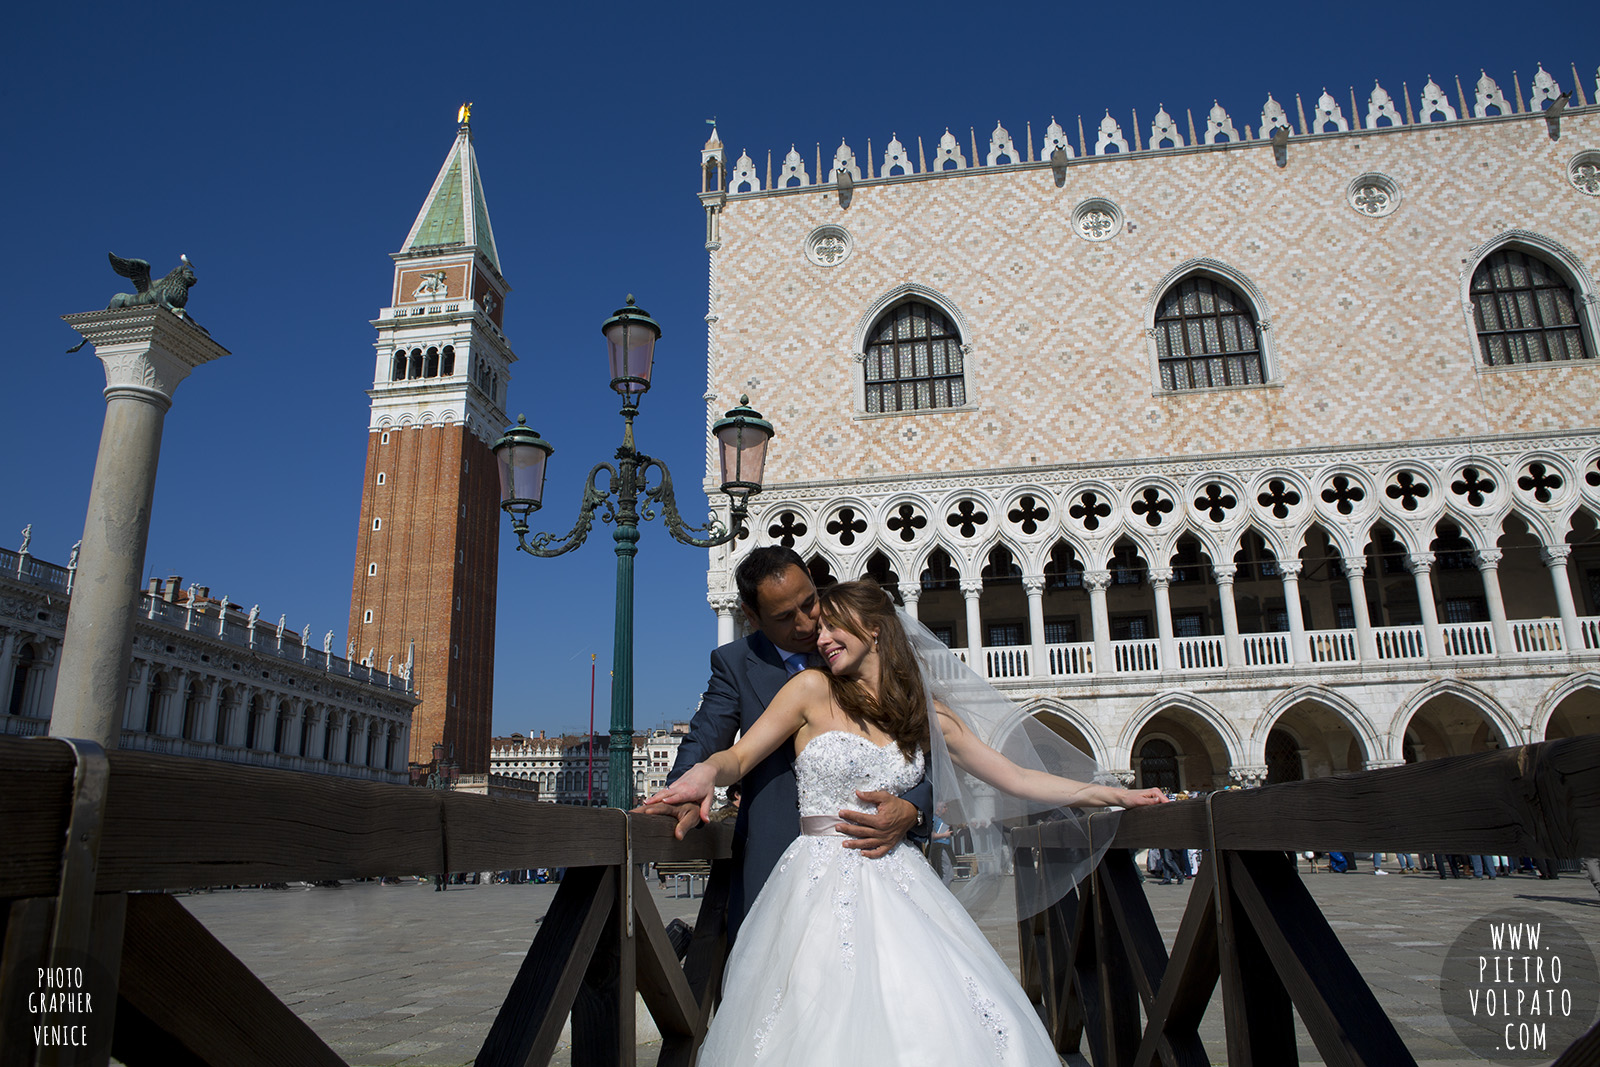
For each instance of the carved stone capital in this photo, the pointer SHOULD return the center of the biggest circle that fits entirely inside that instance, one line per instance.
(1355, 567)
(1033, 583)
(1249, 775)
(971, 587)
(1290, 569)
(1126, 776)
(146, 350)
(1384, 764)
(723, 603)
(1097, 581)
(1489, 558)
(1419, 562)
(910, 592)
(1555, 555)
(1225, 572)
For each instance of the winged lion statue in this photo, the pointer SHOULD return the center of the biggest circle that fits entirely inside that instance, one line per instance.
(171, 292)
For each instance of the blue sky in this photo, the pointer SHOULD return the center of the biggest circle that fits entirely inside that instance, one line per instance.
(286, 149)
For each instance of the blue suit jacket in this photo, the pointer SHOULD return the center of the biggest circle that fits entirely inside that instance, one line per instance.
(745, 676)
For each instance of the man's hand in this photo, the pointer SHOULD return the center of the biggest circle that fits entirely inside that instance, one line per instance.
(688, 815)
(876, 834)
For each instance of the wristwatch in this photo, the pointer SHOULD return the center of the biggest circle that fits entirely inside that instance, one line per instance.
(922, 820)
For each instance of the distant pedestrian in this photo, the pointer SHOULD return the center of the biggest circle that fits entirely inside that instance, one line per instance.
(1591, 867)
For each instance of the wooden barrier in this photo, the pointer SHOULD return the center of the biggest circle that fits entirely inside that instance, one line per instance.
(1098, 967)
(1095, 962)
(172, 823)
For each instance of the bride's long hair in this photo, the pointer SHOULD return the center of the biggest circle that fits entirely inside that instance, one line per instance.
(900, 707)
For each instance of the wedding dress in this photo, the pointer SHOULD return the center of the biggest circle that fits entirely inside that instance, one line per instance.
(845, 960)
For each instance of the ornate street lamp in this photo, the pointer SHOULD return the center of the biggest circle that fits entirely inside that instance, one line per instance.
(742, 436)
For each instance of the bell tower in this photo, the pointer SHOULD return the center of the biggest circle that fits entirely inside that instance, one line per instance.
(427, 551)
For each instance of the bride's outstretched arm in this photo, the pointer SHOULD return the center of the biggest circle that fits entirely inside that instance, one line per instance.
(981, 761)
(782, 719)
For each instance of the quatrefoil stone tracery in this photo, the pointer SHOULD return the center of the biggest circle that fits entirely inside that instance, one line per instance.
(1089, 509)
(845, 525)
(1343, 493)
(1152, 505)
(967, 518)
(1278, 498)
(905, 522)
(1474, 486)
(1216, 502)
(788, 529)
(1408, 488)
(1028, 514)
(1540, 481)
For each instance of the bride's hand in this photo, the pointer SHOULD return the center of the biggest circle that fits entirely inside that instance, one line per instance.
(1138, 798)
(697, 785)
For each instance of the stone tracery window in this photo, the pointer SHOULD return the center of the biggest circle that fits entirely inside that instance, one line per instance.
(1525, 311)
(914, 361)
(1205, 336)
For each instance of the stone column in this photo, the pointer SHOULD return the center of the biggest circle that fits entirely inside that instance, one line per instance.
(972, 589)
(1224, 573)
(911, 593)
(1555, 557)
(170, 722)
(1160, 582)
(146, 351)
(341, 730)
(1100, 620)
(1488, 560)
(724, 604)
(1366, 642)
(134, 696)
(1298, 650)
(1421, 564)
(1033, 584)
(211, 712)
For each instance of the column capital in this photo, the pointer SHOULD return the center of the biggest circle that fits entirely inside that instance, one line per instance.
(1126, 776)
(1555, 555)
(1384, 764)
(1488, 558)
(910, 591)
(723, 602)
(1033, 583)
(1097, 581)
(1354, 566)
(1249, 775)
(1419, 562)
(1224, 572)
(1290, 569)
(1160, 577)
(971, 587)
(146, 350)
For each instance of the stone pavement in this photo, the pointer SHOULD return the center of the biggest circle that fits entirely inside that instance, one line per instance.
(401, 974)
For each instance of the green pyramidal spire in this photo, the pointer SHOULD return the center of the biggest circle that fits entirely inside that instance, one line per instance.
(455, 212)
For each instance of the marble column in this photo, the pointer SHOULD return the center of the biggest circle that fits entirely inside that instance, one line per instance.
(1100, 619)
(1224, 573)
(1488, 560)
(972, 590)
(146, 352)
(1555, 557)
(1421, 564)
(1160, 582)
(1033, 585)
(1366, 641)
(1290, 569)
(725, 604)
(911, 593)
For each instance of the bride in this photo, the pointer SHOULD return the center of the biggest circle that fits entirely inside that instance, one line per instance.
(847, 960)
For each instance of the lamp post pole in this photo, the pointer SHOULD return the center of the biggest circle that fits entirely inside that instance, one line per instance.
(742, 435)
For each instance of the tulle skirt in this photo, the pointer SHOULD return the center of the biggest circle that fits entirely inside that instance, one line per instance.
(844, 960)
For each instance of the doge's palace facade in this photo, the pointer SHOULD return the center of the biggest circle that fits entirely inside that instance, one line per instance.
(1240, 451)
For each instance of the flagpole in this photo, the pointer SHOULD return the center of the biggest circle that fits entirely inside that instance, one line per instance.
(591, 729)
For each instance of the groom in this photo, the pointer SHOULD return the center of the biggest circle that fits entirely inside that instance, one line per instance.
(780, 603)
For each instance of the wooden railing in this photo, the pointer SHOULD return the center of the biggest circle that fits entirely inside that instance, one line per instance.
(1097, 964)
(170, 823)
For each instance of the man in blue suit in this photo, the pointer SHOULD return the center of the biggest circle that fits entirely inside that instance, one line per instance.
(780, 603)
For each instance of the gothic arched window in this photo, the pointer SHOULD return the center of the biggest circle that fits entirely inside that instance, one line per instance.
(1525, 311)
(1206, 336)
(913, 361)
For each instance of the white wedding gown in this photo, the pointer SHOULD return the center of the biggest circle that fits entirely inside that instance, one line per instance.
(844, 960)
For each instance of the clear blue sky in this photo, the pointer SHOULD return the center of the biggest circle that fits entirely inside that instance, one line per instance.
(286, 148)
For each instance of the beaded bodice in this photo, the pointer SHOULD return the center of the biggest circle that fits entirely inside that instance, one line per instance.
(835, 764)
